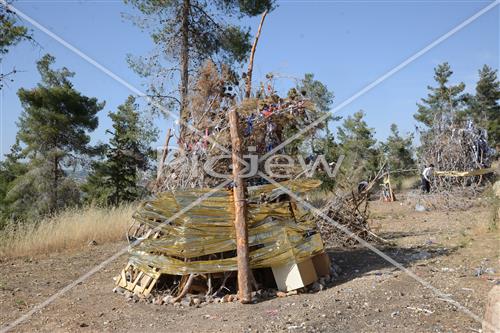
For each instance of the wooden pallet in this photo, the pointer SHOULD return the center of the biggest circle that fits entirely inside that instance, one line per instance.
(136, 281)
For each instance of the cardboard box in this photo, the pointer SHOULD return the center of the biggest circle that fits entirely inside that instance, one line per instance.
(294, 275)
(321, 263)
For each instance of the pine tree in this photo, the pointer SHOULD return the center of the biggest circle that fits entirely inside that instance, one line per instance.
(11, 34)
(53, 129)
(398, 151)
(316, 91)
(116, 179)
(190, 32)
(321, 142)
(443, 102)
(358, 145)
(484, 107)
(11, 168)
(319, 94)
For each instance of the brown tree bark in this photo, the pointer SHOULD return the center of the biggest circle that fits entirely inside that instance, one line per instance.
(252, 55)
(55, 183)
(186, 8)
(240, 211)
(163, 158)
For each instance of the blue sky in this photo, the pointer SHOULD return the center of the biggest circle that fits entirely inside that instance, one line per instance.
(346, 44)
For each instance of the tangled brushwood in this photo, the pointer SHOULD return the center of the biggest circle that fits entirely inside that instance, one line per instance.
(349, 211)
(452, 147)
(265, 121)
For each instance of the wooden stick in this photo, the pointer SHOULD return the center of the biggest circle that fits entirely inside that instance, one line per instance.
(185, 289)
(163, 156)
(252, 54)
(240, 207)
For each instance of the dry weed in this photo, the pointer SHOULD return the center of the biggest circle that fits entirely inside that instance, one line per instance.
(68, 230)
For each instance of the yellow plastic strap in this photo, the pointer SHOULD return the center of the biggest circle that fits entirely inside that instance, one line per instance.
(278, 232)
(477, 172)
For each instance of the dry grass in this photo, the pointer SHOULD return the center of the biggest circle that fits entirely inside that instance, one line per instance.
(409, 183)
(71, 229)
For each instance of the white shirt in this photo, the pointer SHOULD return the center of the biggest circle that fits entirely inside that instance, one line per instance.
(427, 173)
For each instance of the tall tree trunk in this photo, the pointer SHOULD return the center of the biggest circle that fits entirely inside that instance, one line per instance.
(55, 182)
(184, 116)
(240, 212)
(252, 55)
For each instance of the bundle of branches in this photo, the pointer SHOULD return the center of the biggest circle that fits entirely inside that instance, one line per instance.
(265, 122)
(451, 147)
(350, 210)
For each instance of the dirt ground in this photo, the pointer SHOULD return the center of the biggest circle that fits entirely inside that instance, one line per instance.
(452, 250)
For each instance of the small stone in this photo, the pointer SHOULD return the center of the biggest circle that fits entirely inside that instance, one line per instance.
(226, 298)
(196, 301)
(167, 299)
(158, 301)
(83, 325)
(280, 294)
(92, 243)
(186, 302)
(420, 208)
(316, 286)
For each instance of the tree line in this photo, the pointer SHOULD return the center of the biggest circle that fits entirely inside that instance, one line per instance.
(53, 141)
(364, 156)
(54, 129)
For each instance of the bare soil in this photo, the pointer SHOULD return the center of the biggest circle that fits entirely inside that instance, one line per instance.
(454, 251)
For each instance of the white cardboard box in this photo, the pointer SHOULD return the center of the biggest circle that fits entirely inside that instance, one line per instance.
(294, 275)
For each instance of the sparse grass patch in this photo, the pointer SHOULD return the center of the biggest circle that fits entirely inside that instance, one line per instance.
(70, 229)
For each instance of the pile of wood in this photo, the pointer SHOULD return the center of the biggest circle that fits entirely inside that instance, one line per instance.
(349, 210)
(196, 253)
(347, 206)
(452, 147)
(264, 120)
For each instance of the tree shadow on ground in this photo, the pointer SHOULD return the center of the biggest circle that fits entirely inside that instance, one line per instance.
(401, 234)
(359, 261)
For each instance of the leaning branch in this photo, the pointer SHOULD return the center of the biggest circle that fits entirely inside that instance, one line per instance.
(252, 55)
